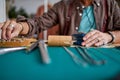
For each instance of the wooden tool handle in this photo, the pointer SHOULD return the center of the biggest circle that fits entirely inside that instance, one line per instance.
(59, 40)
(17, 42)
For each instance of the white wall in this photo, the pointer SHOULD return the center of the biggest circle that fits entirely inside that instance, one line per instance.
(31, 5)
(2, 11)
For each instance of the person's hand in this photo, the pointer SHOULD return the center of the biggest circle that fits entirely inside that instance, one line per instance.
(96, 38)
(10, 29)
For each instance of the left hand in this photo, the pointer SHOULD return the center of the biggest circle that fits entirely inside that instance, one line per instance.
(96, 38)
(10, 29)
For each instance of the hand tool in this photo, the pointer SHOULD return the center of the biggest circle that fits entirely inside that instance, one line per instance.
(75, 58)
(44, 52)
(7, 50)
(88, 58)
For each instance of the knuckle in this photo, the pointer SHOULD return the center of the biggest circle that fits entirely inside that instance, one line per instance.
(97, 31)
(3, 36)
(8, 29)
(94, 36)
(13, 22)
(3, 29)
(90, 33)
(93, 42)
(1, 24)
(15, 33)
(100, 43)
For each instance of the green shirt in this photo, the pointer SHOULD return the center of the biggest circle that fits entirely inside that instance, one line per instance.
(88, 20)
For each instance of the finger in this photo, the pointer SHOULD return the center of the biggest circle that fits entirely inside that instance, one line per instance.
(96, 40)
(88, 35)
(99, 43)
(10, 29)
(1, 25)
(14, 33)
(4, 29)
(91, 43)
(94, 36)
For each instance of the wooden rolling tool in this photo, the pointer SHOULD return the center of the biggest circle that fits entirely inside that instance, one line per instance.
(59, 40)
(17, 42)
(75, 39)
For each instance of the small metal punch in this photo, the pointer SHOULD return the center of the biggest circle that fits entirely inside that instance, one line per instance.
(44, 52)
(7, 50)
(75, 58)
(88, 58)
(33, 46)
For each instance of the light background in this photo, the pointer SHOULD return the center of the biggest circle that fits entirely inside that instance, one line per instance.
(2, 11)
(31, 6)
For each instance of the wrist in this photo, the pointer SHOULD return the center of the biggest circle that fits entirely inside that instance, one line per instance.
(24, 28)
(112, 37)
(21, 28)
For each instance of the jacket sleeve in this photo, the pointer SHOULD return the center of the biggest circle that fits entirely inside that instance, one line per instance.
(38, 24)
(116, 16)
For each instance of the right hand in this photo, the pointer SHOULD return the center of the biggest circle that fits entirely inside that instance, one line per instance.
(10, 29)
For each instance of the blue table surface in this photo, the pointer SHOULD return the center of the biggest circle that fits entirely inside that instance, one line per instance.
(21, 65)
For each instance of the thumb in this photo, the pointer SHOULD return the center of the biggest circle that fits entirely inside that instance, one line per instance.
(1, 24)
(14, 34)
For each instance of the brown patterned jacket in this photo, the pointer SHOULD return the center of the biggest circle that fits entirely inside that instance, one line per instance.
(58, 14)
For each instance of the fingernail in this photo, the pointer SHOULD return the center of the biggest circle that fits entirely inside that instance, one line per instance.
(83, 43)
(84, 38)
